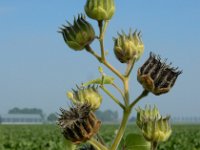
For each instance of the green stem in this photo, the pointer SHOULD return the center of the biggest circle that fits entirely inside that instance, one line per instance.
(143, 94)
(96, 144)
(100, 139)
(112, 96)
(154, 145)
(118, 89)
(109, 66)
(115, 71)
(102, 30)
(126, 91)
(121, 129)
(91, 51)
(129, 68)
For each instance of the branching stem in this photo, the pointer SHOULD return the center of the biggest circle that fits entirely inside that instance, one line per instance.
(118, 89)
(112, 96)
(143, 94)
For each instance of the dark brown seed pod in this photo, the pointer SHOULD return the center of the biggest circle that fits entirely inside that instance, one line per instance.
(78, 124)
(156, 76)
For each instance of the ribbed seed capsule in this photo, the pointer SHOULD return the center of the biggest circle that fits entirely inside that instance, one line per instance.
(154, 127)
(88, 95)
(78, 124)
(156, 76)
(128, 47)
(78, 35)
(100, 9)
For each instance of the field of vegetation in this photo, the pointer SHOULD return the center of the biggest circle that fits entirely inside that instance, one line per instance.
(48, 137)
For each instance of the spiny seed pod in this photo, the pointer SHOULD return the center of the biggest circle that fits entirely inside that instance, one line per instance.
(78, 124)
(154, 127)
(78, 35)
(157, 130)
(156, 76)
(88, 95)
(100, 9)
(128, 47)
(146, 114)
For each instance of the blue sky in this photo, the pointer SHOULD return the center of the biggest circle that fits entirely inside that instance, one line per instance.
(37, 68)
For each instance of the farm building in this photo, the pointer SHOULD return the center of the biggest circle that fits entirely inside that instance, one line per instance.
(21, 119)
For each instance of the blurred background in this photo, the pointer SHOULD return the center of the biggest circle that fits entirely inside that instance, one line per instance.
(37, 68)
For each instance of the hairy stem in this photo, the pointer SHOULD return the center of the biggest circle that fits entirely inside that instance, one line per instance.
(109, 66)
(126, 91)
(130, 66)
(100, 139)
(118, 89)
(112, 96)
(102, 30)
(122, 128)
(96, 144)
(115, 71)
(143, 94)
(91, 51)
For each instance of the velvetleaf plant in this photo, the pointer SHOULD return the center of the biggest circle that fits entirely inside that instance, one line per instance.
(79, 124)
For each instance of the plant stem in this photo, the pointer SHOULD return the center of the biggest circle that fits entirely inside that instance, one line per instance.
(154, 145)
(115, 71)
(96, 144)
(118, 89)
(102, 29)
(100, 139)
(112, 96)
(143, 94)
(129, 68)
(109, 66)
(126, 91)
(122, 128)
(91, 51)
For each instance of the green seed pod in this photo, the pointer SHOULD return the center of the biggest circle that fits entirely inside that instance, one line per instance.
(100, 9)
(128, 47)
(146, 114)
(157, 130)
(156, 76)
(89, 95)
(78, 35)
(154, 127)
(78, 124)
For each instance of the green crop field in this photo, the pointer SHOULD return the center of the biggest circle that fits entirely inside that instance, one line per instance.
(48, 137)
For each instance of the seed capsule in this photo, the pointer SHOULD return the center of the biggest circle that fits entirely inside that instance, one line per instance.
(156, 76)
(128, 47)
(78, 35)
(78, 124)
(100, 9)
(154, 127)
(88, 95)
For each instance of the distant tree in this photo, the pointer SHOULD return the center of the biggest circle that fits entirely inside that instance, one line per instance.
(52, 117)
(16, 110)
(107, 115)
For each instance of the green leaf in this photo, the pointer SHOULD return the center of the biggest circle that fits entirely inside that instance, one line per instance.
(104, 80)
(134, 142)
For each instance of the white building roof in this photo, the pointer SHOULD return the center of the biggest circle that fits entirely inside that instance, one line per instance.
(24, 116)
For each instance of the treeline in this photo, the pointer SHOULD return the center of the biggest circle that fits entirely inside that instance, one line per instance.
(105, 116)
(17, 110)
